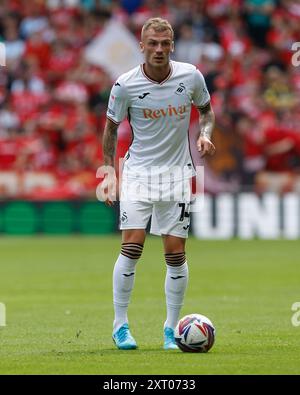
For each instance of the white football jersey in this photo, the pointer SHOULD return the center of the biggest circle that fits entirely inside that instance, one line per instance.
(159, 115)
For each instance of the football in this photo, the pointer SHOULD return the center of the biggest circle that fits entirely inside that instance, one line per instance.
(195, 333)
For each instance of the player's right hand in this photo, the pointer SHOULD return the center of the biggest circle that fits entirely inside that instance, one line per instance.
(106, 191)
(109, 202)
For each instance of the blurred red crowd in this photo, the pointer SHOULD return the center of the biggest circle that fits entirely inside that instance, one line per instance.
(53, 103)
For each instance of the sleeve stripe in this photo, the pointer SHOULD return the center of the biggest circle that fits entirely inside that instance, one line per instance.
(204, 105)
(117, 123)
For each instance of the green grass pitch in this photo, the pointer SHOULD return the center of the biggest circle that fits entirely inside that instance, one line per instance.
(57, 293)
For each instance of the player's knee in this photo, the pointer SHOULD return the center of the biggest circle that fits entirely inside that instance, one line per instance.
(132, 250)
(175, 259)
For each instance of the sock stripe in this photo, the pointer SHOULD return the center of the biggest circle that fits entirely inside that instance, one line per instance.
(132, 250)
(133, 244)
(176, 259)
(130, 255)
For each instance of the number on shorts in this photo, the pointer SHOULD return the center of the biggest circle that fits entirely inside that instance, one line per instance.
(182, 205)
(183, 213)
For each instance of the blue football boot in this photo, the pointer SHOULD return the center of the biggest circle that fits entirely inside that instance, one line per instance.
(169, 341)
(123, 338)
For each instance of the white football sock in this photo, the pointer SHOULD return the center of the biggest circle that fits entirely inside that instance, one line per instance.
(175, 286)
(123, 280)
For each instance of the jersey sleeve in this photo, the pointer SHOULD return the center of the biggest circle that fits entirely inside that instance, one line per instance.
(200, 97)
(118, 103)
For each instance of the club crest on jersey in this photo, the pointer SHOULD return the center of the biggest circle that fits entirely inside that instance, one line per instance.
(181, 89)
(170, 111)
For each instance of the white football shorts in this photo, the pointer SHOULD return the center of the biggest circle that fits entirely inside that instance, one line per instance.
(167, 204)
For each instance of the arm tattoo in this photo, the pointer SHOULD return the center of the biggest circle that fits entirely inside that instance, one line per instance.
(109, 142)
(206, 121)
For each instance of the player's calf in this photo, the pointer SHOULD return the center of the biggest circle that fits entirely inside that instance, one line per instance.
(175, 286)
(123, 281)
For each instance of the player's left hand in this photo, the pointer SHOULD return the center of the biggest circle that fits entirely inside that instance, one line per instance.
(205, 146)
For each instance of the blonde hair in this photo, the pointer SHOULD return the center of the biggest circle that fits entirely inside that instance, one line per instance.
(158, 25)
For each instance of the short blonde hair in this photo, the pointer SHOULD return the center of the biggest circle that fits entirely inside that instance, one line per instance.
(158, 25)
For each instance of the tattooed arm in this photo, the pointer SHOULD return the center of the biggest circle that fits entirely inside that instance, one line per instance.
(206, 123)
(109, 143)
